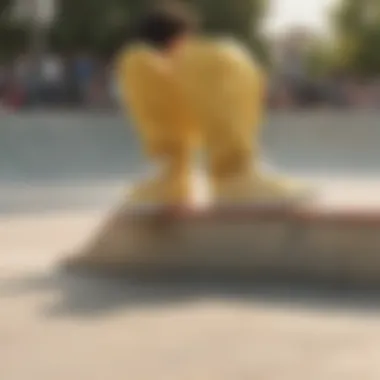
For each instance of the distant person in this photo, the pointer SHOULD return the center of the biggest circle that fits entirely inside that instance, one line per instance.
(52, 78)
(84, 71)
(3, 81)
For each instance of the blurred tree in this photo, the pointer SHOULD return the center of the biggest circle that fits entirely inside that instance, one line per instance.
(319, 59)
(89, 24)
(13, 35)
(242, 19)
(357, 28)
(5, 7)
(101, 26)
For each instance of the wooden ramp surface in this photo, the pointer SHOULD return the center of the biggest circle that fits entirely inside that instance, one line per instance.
(334, 238)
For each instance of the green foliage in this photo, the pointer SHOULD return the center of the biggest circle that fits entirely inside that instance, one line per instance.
(100, 26)
(89, 24)
(319, 59)
(357, 28)
(13, 37)
(241, 19)
(353, 49)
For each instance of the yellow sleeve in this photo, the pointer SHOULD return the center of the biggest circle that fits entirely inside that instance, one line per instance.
(139, 75)
(154, 99)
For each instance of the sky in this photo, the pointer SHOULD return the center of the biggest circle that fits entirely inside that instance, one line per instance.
(286, 13)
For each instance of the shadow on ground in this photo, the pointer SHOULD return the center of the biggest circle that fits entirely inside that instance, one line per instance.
(93, 296)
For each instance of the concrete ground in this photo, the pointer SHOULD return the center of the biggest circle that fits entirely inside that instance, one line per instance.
(55, 325)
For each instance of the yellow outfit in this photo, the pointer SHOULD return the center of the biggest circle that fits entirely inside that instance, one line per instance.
(226, 88)
(207, 88)
(164, 122)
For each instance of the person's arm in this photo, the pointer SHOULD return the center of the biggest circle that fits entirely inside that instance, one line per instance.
(150, 92)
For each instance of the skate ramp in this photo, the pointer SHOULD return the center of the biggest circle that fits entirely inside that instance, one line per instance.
(82, 147)
(324, 143)
(66, 160)
(60, 147)
(70, 162)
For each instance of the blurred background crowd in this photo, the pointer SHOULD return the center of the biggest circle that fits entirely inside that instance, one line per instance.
(59, 53)
(81, 80)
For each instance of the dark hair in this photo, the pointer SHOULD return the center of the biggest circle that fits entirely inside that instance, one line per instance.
(160, 26)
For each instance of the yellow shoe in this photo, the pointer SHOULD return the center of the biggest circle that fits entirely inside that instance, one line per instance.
(260, 189)
(157, 193)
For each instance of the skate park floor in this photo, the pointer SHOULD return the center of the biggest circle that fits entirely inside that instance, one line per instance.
(55, 325)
